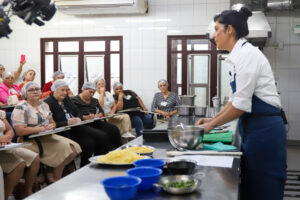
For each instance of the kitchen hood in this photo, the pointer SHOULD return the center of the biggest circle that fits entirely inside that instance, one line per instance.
(259, 29)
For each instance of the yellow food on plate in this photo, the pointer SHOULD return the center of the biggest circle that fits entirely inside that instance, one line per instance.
(119, 157)
(138, 149)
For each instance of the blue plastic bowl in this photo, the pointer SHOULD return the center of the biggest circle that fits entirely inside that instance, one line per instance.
(121, 187)
(149, 176)
(158, 163)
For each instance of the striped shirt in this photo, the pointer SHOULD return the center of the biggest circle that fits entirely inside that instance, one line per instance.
(166, 105)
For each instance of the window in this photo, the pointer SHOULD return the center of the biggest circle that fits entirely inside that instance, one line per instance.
(192, 67)
(82, 59)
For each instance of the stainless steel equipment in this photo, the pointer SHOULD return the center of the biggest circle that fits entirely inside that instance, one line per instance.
(187, 100)
(185, 110)
(200, 111)
(164, 181)
(186, 137)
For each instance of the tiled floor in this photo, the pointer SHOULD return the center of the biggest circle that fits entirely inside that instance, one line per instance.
(293, 162)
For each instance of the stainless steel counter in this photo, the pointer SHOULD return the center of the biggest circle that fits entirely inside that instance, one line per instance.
(218, 183)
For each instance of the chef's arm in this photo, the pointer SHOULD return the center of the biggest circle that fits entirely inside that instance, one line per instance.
(229, 114)
(228, 104)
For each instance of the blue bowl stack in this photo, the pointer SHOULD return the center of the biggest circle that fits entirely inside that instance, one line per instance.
(157, 163)
(121, 187)
(149, 176)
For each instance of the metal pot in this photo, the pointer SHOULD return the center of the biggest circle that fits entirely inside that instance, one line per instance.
(200, 111)
(185, 110)
(187, 100)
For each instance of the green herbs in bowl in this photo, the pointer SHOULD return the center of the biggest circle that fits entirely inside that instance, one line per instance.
(180, 184)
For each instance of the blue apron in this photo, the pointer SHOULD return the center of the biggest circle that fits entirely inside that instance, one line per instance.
(263, 164)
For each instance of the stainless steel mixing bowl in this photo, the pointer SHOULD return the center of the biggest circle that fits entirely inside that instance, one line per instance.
(185, 137)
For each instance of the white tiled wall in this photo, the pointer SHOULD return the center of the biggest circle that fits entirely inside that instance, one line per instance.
(286, 65)
(145, 44)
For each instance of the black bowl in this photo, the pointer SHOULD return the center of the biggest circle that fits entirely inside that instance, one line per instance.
(181, 167)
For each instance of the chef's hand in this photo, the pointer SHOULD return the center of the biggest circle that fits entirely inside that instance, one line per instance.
(207, 127)
(203, 121)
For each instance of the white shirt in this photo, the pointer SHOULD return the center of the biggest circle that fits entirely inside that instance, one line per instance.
(253, 75)
(108, 101)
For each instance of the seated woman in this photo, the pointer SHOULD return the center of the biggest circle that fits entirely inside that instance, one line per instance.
(90, 109)
(33, 116)
(107, 102)
(165, 102)
(13, 162)
(91, 140)
(29, 75)
(126, 99)
(8, 88)
(46, 92)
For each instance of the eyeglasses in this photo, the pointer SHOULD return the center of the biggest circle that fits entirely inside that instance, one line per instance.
(34, 90)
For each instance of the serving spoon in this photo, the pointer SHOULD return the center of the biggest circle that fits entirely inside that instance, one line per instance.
(217, 153)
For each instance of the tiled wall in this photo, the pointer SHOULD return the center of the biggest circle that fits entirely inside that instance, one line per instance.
(145, 44)
(285, 61)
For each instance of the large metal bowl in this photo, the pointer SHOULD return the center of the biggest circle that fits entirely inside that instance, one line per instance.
(184, 110)
(200, 111)
(186, 137)
(187, 99)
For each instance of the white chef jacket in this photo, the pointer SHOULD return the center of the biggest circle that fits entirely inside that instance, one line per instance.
(252, 73)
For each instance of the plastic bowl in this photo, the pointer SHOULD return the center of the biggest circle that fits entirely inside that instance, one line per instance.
(149, 176)
(121, 187)
(181, 167)
(158, 163)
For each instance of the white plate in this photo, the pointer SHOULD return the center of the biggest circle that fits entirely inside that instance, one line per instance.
(94, 161)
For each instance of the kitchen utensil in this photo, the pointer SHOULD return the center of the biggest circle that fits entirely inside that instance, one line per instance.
(121, 187)
(144, 154)
(185, 110)
(181, 167)
(187, 100)
(158, 163)
(188, 138)
(200, 111)
(164, 181)
(217, 153)
(149, 176)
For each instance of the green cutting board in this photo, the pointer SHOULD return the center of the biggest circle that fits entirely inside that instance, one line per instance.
(218, 137)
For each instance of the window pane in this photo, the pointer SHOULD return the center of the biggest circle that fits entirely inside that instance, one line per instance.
(94, 67)
(179, 90)
(176, 61)
(198, 67)
(68, 46)
(114, 68)
(200, 99)
(115, 45)
(94, 46)
(69, 65)
(48, 67)
(176, 45)
(48, 46)
(197, 45)
(224, 79)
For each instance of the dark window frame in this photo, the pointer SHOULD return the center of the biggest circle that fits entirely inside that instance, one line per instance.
(213, 52)
(81, 55)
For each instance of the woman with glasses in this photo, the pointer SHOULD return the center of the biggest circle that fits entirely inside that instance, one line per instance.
(32, 116)
(65, 112)
(16, 73)
(165, 102)
(8, 87)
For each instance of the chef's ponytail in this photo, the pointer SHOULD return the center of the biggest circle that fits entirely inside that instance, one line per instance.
(237, 19)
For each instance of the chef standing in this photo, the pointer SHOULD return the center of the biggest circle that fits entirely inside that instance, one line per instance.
(254, 100)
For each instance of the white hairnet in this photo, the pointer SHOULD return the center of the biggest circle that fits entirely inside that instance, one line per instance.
(162, 81)
(117, 84)
(25, 73)
(25, 88)
(57, 84)
(6, 74)
(57, 73)
(88, 85)
(99, 79)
